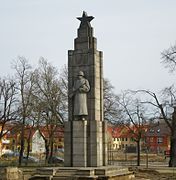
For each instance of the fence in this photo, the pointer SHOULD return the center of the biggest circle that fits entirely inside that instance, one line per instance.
(123, 158)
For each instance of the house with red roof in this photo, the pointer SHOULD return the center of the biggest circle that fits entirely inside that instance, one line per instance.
(158, 137)
(11, 140)
(155, 137)
(124, 136)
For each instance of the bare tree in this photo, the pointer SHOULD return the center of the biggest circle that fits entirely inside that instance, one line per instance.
(8, 108)
(25, 84)
(169, 58)
(63, 83)
(161, 105)
(112, 112)
(133, 118)
(48, 102)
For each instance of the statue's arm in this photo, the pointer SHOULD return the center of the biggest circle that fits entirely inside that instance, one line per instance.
(85, 87)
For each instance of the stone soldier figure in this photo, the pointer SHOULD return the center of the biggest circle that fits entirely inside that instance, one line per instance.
(80, 89)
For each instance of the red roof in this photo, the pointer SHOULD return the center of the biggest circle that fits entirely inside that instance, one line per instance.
(58, 131)
(125, 131)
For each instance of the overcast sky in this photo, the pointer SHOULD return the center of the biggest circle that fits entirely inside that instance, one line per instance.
(131, 33)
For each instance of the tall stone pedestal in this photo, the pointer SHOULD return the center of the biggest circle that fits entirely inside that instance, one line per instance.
(76, 131)
(85, 142)
(97, 144)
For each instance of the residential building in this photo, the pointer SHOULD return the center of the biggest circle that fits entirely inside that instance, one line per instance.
(11, 140)
(123, 137)
(158, 137)
(38, 143)
(155, 137)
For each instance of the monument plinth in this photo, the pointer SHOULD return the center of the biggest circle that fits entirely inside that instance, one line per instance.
(85, 133)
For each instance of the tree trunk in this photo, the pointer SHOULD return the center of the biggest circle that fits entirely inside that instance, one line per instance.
(28, 146)
(21, 144)
(51, 152)
(172, 161)
(138, 152)
(47, 150)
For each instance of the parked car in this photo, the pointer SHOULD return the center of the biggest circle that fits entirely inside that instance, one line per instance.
(61, 150)
(56, 159)
(31, 159)
(10, 154)
(7, 155)
(6, 151)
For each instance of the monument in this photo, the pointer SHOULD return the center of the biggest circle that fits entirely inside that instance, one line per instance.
(85, 133)
(85, 141)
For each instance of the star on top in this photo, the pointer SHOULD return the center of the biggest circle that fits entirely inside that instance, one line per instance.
(85, 20)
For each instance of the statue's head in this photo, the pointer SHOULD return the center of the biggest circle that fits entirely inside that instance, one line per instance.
(81, 73)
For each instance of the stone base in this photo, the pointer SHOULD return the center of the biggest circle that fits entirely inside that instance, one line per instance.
(85, 144)
(10, 173)
(73, 173)
(75, 143)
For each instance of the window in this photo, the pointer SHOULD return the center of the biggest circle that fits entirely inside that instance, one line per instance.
(151, 130)
(151, 139)
(132, 139)
(160, 140)
(38, 135)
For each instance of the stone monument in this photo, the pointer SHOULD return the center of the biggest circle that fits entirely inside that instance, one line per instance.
(85, 132)
(85, 142)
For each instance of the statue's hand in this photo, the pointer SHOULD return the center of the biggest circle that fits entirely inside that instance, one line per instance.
(81, 90)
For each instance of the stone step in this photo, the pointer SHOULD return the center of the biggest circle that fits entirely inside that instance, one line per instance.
(62, 178)
(46, 171)
(111, 171)
(65, 172)
(85, 173)
(41, 177)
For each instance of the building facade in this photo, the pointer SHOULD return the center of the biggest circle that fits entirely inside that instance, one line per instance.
(155, 138)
